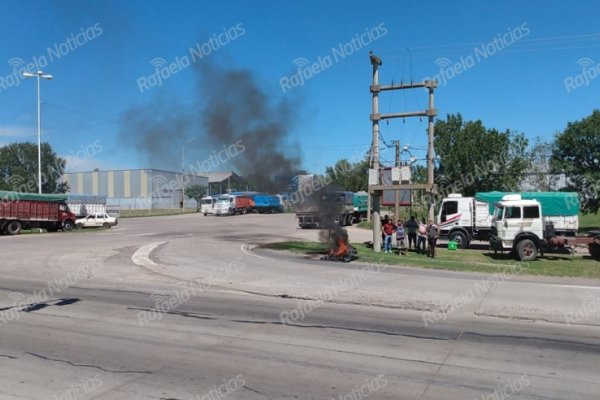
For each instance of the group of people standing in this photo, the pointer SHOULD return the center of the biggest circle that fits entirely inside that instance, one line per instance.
(418, 232)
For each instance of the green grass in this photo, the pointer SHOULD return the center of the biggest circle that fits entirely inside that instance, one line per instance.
(588, 222)
(560, 265)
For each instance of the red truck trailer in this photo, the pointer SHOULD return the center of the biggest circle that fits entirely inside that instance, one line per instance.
(30, 210)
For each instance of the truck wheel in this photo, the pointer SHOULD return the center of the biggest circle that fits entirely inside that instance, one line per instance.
(460, 238)
(526, 250)
(106, 225)
(79, 226)
(67, 225)
(205, 214)
(13, 227)
(594, 250)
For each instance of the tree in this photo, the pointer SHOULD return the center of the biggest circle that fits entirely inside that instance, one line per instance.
(19, 168)
(196, 191)
(577, 154)
(348, 175)
(474, 158)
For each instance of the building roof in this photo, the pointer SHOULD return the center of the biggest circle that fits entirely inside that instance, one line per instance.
(204, 175)
(220, 176)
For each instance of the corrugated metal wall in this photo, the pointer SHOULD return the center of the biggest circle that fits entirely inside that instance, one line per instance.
(135, 189)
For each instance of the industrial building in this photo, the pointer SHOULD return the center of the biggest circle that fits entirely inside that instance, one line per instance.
(135, 188)
(225, 182)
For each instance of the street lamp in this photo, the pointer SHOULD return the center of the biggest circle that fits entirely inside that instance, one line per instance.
(183, 168)
(39, 75)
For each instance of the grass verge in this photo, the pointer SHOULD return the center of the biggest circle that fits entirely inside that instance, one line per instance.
(473, 260)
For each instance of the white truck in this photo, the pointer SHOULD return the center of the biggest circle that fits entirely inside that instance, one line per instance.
(207, 205)
(464, 219)
(527, 227)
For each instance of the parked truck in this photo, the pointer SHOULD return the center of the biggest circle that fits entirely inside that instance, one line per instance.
(528, 227)
(325, 207)
(360, 203)
(206, 205)
(233, 204)
(28, 210)
(464, 219)
(82, 205)
(266, 203)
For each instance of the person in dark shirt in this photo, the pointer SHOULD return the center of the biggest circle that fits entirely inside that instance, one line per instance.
(411, 231)
(433, 234)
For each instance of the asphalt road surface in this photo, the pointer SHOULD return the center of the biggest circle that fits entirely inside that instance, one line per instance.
(185, 307)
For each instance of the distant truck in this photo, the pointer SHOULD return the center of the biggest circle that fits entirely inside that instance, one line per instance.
(28, 210)
(266, 203)
(360, 202)
(207, 205)
(335, 205)
(83, 206)
(529, 227)
(464, 219)
(233, 204)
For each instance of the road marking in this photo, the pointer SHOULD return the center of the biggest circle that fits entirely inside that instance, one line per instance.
(141, 256)
(142, 234)
(578, 287)
(248, 252)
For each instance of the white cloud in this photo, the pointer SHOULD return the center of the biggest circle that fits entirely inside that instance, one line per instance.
(16, 132)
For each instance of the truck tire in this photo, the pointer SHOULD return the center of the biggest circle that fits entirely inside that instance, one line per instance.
(13, 227)
(460, 238)
(594, 249)
(67, 225)
(527, 250)
(79, 226)
(106, 225)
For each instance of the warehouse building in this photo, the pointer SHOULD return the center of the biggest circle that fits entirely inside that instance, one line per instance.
(135, 188)
(225, 182)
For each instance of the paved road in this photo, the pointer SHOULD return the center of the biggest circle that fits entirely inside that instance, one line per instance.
(185, 307)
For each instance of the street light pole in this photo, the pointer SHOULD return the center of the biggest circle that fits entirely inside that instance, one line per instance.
(183, 168)
(39, 75)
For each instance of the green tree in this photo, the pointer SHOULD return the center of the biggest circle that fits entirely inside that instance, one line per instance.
(196, 191)
(474, 158)
(19, 168)
(577, 155)
(350, 176)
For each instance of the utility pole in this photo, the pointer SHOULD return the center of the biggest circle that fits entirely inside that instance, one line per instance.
(430, 152)
(377, 189)
(397, 192)
(376, 62)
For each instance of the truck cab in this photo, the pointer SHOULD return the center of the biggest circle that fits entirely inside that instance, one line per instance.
(207, 205)
(517, 225)
(463, 219)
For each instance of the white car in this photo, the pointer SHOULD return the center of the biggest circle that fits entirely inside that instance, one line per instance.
(96, 221)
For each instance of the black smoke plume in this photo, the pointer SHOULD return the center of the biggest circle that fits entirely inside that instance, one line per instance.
(231, 112)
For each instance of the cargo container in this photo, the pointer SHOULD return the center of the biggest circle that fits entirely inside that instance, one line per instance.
(266, 203)
(28, 210)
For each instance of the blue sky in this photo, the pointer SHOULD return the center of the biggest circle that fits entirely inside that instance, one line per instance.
(534, 82)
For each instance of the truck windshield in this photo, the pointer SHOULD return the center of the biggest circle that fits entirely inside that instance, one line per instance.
(207, 201)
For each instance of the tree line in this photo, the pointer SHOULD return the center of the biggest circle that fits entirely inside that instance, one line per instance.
(473, 158)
